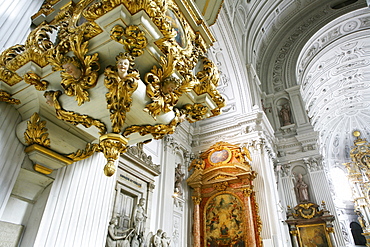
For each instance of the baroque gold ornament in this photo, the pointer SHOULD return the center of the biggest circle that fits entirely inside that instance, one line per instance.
(6, 97)
(209, 77)
(70, 116)
(135, 40)
(158, 131)
(89, 150)
(164, 89)
(121, 81)
(194, 112)
(36, 133)
(112, 145)
(35, 80)
(80, 72)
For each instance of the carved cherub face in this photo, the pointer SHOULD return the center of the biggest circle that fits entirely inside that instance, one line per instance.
(169, 85)
(72, 69)
(123, 65)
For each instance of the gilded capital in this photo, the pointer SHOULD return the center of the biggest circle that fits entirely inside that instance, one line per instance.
(196, 199)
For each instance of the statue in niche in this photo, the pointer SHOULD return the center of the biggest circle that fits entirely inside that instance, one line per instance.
(139, 217)
(301, 189)
(116, 236)
(285, 114)
(179, 177)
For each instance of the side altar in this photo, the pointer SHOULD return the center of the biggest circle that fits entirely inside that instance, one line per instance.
(225, 209)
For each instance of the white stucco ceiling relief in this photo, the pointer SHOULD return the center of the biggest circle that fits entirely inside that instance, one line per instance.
(334, 73)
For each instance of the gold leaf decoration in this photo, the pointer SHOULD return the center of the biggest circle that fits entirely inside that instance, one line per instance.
(36, 133)
(135, 40)
(70, 116)
(6, 97)
(112, 145)
(80, 72)
(89, 150)
(120, 89)
(157, 131)
(208, 78)
(194, 112)
(163, 89)
(35, 80)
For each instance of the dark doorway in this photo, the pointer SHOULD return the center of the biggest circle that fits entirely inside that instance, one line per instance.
(357, 234)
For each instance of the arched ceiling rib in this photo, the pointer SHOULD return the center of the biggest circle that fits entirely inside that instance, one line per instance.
(282, 30)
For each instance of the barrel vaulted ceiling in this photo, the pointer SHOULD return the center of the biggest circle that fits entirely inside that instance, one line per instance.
(277, 37)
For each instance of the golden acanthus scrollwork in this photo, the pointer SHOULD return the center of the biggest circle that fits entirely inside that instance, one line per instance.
(36, 133)
(6, 97)
(155, 9)
(194, 112)
(208, 78)
(46, 8)
(36, 49)
(80, 154)
(79, 72)
(158, 131)
(134, 41)
(35, 80)
(70, 116)
(121, 81)
(164, 89)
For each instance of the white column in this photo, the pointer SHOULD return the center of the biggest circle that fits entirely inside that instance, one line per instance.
(266, 191)
(11, 152)
(78, 209)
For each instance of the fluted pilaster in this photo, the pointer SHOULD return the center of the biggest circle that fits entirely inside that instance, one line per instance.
(11, 152)
(79, 206)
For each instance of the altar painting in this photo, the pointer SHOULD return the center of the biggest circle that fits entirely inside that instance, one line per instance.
(224, 222)
(313, 236)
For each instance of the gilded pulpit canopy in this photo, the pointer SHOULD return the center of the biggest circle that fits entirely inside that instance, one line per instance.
(116, 72)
